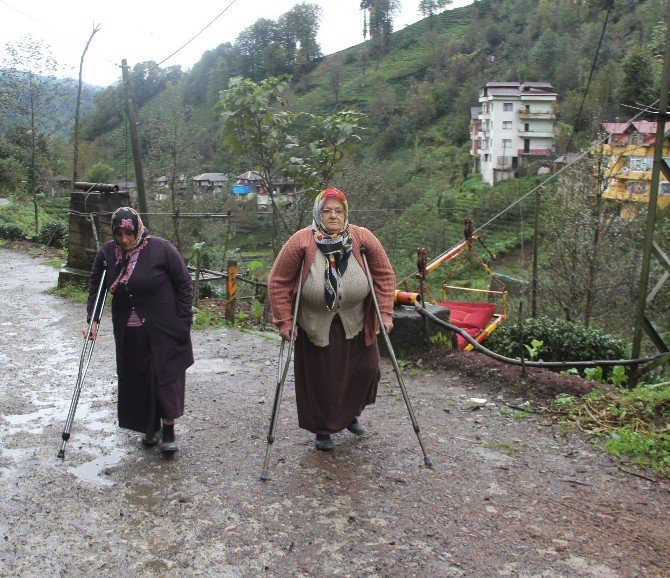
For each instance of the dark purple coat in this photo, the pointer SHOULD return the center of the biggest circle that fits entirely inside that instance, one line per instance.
(161, 291)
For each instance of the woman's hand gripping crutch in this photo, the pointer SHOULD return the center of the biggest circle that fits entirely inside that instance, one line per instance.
(427, 459)
(85, 359)
(282, 371)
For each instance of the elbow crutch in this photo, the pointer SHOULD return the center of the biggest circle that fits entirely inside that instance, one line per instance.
(84, 360)
(281, 378)
(426, 458)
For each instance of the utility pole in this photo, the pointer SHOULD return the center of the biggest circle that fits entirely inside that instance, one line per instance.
(642, 323)
(536, 246)
(135, 143)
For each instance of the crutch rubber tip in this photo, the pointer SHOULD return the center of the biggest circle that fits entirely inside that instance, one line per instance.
(61, 454)
(363, 250)
(265, 475)
(429, 462)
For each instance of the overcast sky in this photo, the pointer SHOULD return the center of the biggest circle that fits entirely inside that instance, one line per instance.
(142, 30)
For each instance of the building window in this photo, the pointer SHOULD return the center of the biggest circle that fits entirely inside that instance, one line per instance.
(526, 145)
(637, 188)
(507, 143)
(664, 188)
(508, 106)
(640, 163)
(507, 125)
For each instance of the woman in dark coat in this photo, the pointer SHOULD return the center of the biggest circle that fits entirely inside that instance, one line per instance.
(152, 297)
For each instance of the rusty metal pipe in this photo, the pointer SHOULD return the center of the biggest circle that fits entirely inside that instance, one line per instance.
(96, 187)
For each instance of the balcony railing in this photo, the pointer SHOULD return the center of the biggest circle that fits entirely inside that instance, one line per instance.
(548, 115)
(522, 113)
(548, 133)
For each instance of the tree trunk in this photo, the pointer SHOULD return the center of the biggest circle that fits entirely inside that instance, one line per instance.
(75, 159)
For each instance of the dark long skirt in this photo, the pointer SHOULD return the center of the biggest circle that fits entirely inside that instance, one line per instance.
(333, 384)
(142, 402)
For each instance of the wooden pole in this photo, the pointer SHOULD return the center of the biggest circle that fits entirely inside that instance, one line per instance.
(135, 143)
(536, 246)
(75, 138)
(641, 322)
(196, 283)
(231, 291)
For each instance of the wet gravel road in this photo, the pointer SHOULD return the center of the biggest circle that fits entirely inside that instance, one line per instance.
(508, 497)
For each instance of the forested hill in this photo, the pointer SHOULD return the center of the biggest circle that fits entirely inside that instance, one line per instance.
(603, 58)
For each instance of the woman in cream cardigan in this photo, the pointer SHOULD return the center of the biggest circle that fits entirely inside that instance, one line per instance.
(336, 361)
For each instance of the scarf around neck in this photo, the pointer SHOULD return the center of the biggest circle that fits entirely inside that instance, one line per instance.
(335, 246)
(125, 261)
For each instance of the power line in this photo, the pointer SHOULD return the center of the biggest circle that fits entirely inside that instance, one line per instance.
(199, 33)
(74, 44)
(588, 83)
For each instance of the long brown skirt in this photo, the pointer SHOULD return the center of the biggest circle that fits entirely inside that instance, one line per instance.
(142, 402)
(333, 384)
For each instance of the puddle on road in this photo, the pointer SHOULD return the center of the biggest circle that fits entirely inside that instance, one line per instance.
(91, 472)
(26, 418)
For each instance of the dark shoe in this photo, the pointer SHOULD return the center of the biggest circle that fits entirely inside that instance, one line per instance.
(151, 440)
(324, 442)
(168, 445)
(356, 428)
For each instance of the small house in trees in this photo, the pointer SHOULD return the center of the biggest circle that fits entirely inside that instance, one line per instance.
(59, 184)
(248, 185)
(211, 182)
(629, 149)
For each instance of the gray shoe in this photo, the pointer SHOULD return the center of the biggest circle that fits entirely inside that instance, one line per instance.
(356, 428)
(168, 445)
(324, 442)
(151, 440)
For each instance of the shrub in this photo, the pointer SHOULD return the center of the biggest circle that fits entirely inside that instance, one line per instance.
(54, 234)
(11, 231)
(561, 340)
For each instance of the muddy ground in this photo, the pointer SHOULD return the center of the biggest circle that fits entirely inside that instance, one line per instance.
(509, 496)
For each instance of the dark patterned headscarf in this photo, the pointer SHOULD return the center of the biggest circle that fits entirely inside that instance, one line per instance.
(127, 218)
(335, 246)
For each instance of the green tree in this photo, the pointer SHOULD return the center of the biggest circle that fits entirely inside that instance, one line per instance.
(169, 150)
(256, 124)
(638, 87)
(259, 52)
(276, 142)
(297, 33)
(29, 95)
(382, 13)
(10, 169)
(108, 112)
(587, 250)
(100, 173)
(430, 7)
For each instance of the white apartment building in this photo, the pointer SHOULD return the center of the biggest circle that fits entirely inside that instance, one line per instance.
(513, 125)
